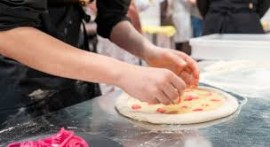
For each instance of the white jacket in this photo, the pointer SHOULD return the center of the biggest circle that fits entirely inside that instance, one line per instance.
(182, 20)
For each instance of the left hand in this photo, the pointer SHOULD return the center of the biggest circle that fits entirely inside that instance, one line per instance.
(178, 62)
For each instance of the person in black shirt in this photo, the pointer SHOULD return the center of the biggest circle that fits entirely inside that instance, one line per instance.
(232, 16)
(42, 68)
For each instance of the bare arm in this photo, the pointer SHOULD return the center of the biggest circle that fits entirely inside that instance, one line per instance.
(45, 53)
(124, 35)
(128, 38)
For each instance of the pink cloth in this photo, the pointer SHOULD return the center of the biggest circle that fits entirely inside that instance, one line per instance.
(63, 138)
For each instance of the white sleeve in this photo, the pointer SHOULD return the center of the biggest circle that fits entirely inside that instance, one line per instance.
(142, 5)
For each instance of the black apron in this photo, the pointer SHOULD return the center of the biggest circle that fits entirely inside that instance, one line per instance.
(232, 16)
(26, 92)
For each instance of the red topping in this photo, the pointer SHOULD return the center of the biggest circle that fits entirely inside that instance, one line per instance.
(198, 109)
(161, 110)
(136, 107)
(215, 100)
(190, 98)
(184, 107)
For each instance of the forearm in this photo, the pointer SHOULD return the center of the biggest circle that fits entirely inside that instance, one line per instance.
(125, 36)
(47, 54)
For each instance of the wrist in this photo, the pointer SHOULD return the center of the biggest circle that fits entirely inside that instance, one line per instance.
(148, 51)
(150, 54)
(124, 74)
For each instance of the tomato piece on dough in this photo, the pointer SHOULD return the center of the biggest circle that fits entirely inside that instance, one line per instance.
(136, 107)
(161, 110)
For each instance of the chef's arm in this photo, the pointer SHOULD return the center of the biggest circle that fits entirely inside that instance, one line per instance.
(128, 38)
(203, 6)
(263, 6)
(125, 36)
(47, 54)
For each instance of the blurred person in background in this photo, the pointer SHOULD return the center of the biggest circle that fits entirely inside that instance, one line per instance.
(182, 22)
(196, 19)
(143, 5)
(166, 13)
(186, 21)
(232, 16)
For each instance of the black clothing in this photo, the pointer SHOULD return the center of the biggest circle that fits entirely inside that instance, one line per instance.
(24, 90)
(232, 16)
(183, 47)
(110, 12)
(29, 13)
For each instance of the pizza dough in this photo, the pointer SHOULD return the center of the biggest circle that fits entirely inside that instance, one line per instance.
(196, 106)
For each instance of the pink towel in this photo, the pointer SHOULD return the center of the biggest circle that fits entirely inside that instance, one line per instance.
(63, 138)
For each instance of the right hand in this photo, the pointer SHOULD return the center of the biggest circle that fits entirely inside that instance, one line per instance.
(152, 85)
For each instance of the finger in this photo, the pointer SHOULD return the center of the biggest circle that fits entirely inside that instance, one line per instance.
(163, 98)
(187, 77)
(192, 69)
(171, 92)
(195, 81)
(191, 65)
(179, 84)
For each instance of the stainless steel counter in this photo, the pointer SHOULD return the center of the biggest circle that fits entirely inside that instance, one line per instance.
(248, 127)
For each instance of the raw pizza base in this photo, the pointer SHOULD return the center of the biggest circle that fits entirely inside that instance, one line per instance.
(229, 106)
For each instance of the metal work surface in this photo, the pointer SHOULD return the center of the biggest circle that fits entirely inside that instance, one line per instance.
(249, 127)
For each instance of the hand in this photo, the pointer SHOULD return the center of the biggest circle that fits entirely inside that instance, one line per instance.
(152, 85)
(178, 62)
